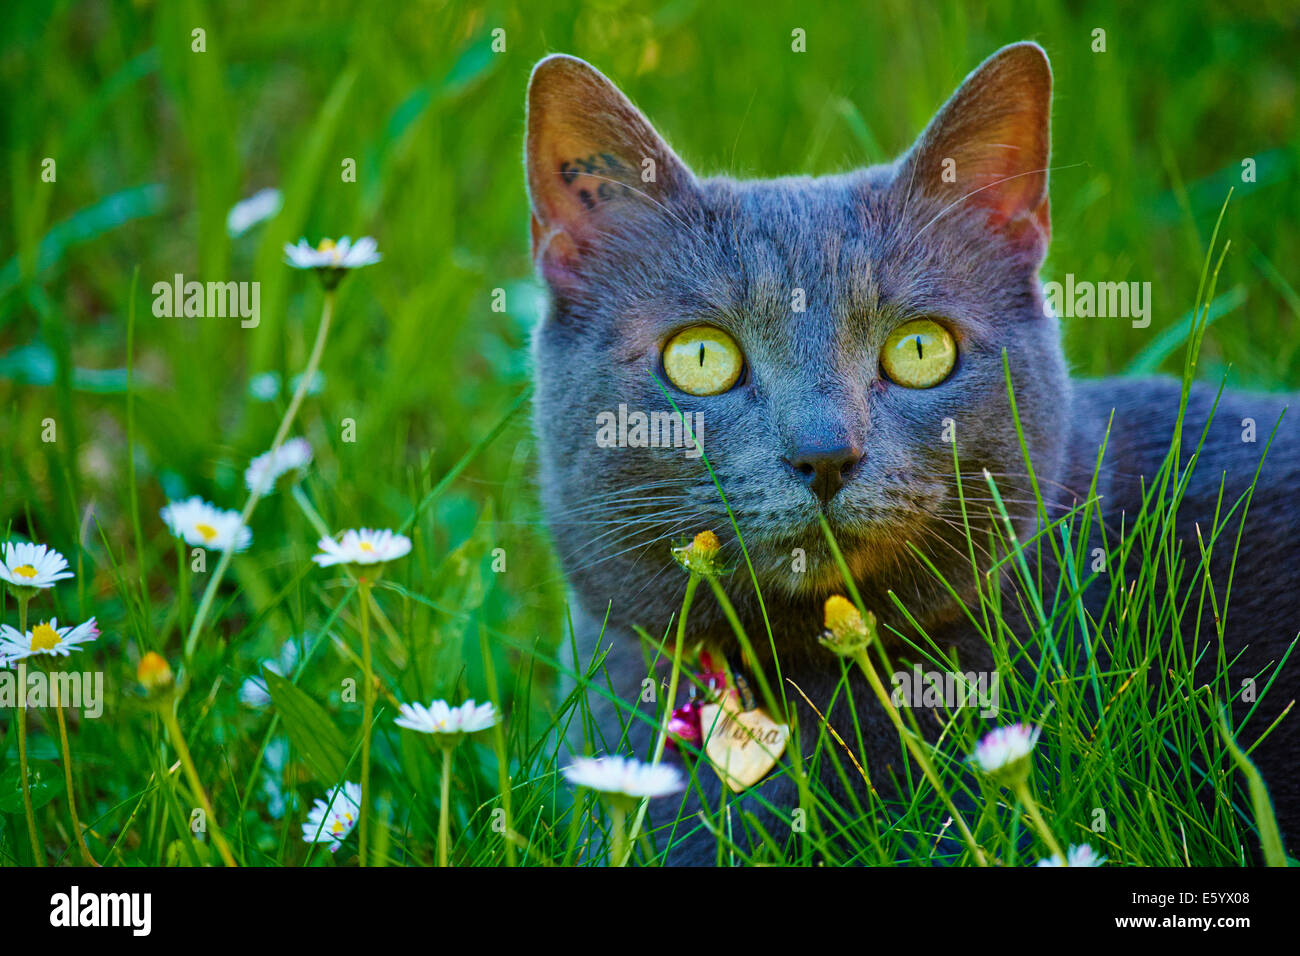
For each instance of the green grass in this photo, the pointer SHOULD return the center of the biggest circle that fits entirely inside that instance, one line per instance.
(154, 143)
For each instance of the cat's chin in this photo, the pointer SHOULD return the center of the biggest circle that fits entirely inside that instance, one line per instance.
(805, 567)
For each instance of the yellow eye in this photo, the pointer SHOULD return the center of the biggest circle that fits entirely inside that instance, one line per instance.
(919, 354)
(703, 360)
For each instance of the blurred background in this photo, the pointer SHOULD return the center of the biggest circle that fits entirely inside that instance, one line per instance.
(153, 143)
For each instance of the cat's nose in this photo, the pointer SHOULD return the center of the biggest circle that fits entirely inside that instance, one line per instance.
(825, 470)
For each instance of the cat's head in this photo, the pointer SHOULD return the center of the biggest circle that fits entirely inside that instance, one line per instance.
(829, 339)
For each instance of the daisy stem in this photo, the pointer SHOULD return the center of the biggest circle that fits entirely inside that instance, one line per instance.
(498, 740)
(192, 775)
(183, 577)
(313, 363)
(32, 832)
(622, 846)
(1035, 817)
(67, 776)
(304, 503)
(444, 807)
(367, 715)
(918, 752)
(691, 584)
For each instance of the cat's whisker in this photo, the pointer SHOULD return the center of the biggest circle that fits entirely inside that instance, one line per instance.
(667, 536)
(976, 545)
(1064, 509)
(614, 502)
(631, 508)
(653, 578)
(1020, 478)
(638, 525)
(633, 527)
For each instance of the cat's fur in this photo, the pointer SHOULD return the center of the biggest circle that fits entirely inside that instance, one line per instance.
(631, 261)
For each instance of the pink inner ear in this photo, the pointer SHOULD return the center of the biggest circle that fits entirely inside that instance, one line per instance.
(587, 148)
(991, 138)
(555, 254)
(1006, 165)
(999, 169)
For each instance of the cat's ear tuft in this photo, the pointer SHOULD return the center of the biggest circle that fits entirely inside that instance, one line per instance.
(988, 146)
(591, 157)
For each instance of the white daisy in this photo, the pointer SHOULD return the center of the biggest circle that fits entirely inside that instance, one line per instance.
(278, 798)
(1004, 752)
(343, 254)
(206, 526)
(362, 547)
(253, 691)
(1081, 855)
(267, 469)
(28, 565)
(331, 820)
(447, 722)
(619, 776)
(247, 213)
(45, 638)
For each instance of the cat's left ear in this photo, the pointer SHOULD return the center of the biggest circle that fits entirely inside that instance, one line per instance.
(592, 159)
(986, 150)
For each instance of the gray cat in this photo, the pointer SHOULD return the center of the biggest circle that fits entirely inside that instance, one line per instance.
(823, 333)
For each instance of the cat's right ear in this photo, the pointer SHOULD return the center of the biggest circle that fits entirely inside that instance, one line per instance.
(986, 151)
(591, 158)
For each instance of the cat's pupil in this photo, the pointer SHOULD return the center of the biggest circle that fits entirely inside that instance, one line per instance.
(701, 355)
(918, 347)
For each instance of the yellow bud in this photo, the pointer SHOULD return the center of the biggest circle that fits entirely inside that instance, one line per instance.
(154, 673)
(847, 631)
(706, 543)
(701, 555)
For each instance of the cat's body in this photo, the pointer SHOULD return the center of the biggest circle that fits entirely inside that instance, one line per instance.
(631, 260)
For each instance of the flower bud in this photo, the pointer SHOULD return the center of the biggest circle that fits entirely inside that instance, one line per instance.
(701, 555)
(154, 674)
(1004, 753)
(847, 632)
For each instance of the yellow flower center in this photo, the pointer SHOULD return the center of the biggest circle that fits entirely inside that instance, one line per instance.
(44, 638)
(367, 547)
(26, 570)
(206, 530)
(328, 245)
(706, 543)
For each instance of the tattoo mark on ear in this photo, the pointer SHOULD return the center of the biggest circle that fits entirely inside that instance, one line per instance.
(591, 165)
(603, 166)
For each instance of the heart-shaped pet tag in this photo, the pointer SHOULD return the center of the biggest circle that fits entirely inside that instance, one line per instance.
(742, 745)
